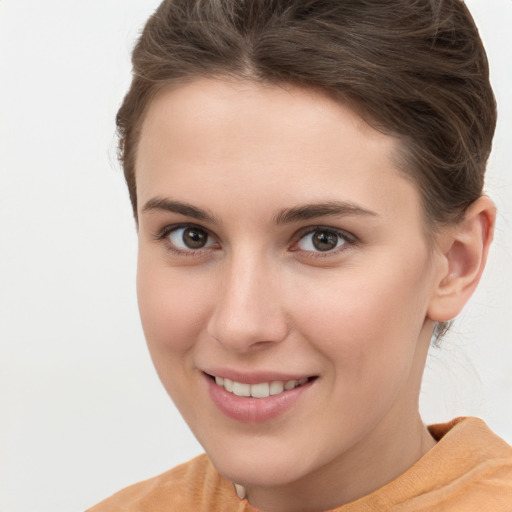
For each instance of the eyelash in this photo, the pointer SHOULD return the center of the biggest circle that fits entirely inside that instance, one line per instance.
(163, 236)
(349, 240)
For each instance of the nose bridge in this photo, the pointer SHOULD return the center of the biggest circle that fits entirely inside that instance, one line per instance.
(248, 311)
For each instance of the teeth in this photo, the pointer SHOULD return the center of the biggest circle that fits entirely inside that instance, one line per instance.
(290, 384)
(276, 388)
(240, 389)
(260, 390)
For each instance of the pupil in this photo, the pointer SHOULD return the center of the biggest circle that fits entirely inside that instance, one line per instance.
(194, 238)
(325, 241)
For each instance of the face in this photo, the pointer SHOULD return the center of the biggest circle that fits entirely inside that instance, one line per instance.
(281, 254)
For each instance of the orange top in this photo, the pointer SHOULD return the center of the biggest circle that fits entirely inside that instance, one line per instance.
(469, 470)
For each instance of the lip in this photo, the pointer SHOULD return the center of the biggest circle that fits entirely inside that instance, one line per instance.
(255, 410)
(253, 377)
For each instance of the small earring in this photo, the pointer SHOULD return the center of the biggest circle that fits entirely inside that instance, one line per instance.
(240, 491)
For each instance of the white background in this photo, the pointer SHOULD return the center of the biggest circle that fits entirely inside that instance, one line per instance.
(82, 412)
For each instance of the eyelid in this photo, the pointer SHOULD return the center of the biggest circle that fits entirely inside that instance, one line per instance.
(164, 232)
(162, 235)
(351, 240)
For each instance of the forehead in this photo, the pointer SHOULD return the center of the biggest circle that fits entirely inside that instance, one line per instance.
(212, 138)
(257, 112)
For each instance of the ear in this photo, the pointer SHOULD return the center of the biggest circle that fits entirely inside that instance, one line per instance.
(463, 254)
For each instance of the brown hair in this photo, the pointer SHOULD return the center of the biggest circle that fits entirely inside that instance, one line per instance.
(414, 69)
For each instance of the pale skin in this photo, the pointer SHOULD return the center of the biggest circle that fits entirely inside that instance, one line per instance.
(257, 294)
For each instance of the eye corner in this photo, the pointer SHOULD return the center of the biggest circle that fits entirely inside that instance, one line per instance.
(173, 238)
(339, 239)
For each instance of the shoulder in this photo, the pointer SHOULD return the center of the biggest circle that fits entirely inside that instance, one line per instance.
(470, 470)
(188, 487)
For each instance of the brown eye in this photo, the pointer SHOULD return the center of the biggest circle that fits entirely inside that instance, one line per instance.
(194, 238)
(325, 241)
(322, 240)
(190, 238)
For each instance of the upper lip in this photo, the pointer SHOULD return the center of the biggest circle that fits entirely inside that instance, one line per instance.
(254, 377)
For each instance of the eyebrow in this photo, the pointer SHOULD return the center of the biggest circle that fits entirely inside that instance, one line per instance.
(167, 205)
(286, 216)
(314, 210)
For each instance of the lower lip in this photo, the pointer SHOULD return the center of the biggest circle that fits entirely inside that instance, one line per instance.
(254, 410)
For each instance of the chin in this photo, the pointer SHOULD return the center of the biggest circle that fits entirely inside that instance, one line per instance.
(264, 475)
(258, 467)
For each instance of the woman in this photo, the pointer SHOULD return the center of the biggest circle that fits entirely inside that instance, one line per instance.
(306, 178)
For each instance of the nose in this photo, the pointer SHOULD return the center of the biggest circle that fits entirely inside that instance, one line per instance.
(249, 312)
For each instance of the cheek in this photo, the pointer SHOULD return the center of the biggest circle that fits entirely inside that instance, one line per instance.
(172, 309)
(367, 320)
(171, 306)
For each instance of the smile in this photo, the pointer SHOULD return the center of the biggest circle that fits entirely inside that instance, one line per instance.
(259, 390)
(262, 399)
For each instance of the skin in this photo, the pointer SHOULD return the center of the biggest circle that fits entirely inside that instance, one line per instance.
(260, 297)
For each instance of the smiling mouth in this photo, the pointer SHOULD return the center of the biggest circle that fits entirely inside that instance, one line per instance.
(261, 389)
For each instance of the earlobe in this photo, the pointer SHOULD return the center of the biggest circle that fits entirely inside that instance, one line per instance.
(464, 254)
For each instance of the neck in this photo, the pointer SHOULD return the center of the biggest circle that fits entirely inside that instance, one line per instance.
(377, 460)
(398, 441)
